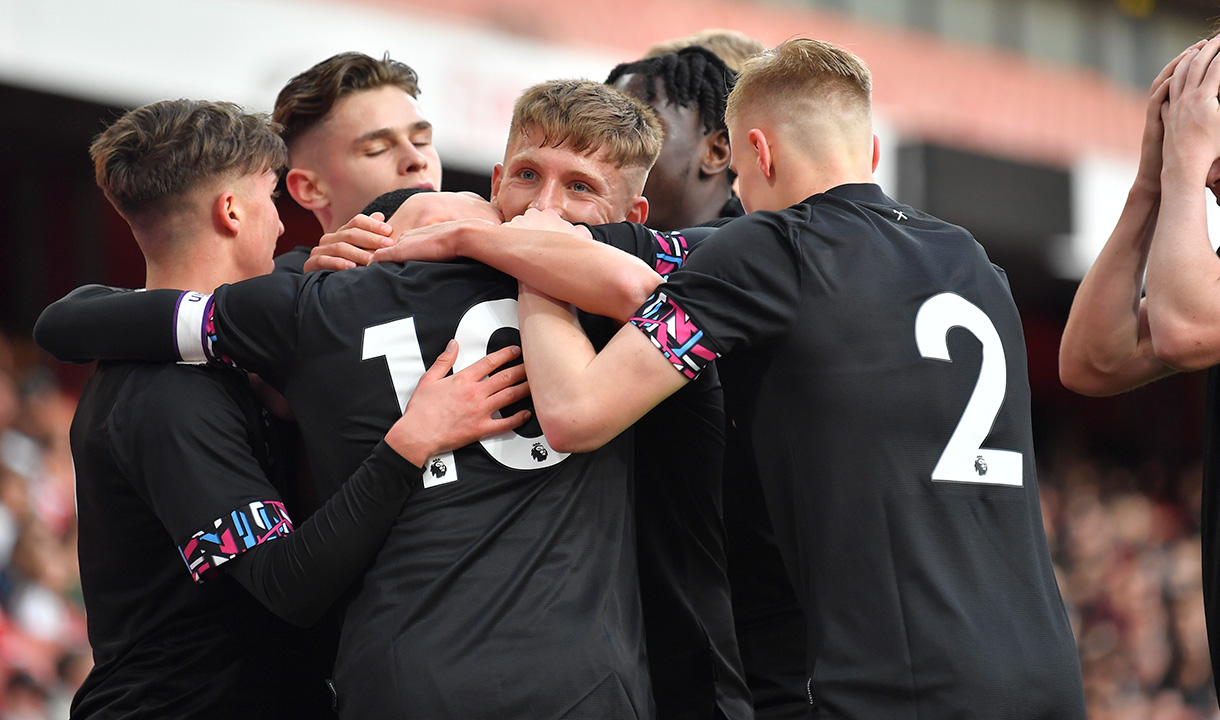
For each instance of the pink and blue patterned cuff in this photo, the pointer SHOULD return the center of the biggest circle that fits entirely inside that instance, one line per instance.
(674, 334)
(233, 534)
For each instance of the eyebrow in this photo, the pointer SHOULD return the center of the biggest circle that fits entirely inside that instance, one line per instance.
(387, 133)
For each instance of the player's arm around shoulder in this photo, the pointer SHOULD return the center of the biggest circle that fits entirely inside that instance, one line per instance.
(97, 322)
(583, 398)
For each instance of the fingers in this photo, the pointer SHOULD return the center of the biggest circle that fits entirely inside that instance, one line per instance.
(327, 262)
(374, 223)
(1210, 83)
(484, 366)
(344, 255)
(442, 366)
(1189, 73)
(506, 378)
(512, 394)
(1178, 79)
(499, 425)
(1167, 71)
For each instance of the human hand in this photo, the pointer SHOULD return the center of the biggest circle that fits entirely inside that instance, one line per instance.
(1192, 115)
(435, 243)
(351, 245)
(447, 412)
(1148, 177)
(431, 208)
(547, 220)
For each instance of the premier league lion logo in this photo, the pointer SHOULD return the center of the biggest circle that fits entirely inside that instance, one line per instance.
(980, 465)
(438, 468)
(538, 452)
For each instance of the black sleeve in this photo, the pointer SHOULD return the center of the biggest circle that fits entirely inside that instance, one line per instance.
(299, 576)
(663, 251)
(96, 322)
(741, 287)
(292, 261)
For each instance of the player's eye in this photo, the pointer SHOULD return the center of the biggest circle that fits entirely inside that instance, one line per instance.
(581, 187)
(527, 174)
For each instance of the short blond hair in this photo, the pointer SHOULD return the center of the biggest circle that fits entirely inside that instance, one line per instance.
(802, 70)
(588, 117)
(731, 46)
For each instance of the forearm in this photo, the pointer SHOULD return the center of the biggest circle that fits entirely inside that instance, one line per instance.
(299, 576)
(1184, 274)
(96, 322)
(584, 399)
(1106, 346)
(595, 277)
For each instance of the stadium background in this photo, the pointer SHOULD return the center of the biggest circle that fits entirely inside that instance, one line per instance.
(1019, 119)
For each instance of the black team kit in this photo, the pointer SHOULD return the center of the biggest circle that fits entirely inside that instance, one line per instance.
(879, 364)
(507, 587)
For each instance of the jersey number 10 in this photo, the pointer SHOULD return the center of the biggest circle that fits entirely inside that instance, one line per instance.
(398, 343)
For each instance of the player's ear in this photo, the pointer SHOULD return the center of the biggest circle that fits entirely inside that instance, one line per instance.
(762, 152)
(876, 151)
(497, 175)
(716, 156)
(638, 212)
(226, 215)
(306, 188)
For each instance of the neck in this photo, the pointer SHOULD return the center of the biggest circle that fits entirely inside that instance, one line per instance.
(197, 264)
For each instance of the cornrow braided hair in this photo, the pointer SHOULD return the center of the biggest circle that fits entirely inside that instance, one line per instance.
(693, 77)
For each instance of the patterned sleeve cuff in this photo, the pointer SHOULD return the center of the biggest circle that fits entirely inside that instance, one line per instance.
(675, 334)
(195, 330)
(233, 534)
(672, 250)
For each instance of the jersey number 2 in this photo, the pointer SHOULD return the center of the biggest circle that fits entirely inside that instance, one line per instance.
(398, 343)
(964, 459)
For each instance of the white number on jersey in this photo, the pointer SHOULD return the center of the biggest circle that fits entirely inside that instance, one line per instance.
(964, 459)
(398, 343)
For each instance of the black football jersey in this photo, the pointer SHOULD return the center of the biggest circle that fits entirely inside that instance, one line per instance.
(171, 481)
(693, 657)
(508, 586)
(879, 364)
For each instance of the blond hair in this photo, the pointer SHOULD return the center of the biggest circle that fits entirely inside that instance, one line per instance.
(155, 154)
(801, 70)
(588, 117)
(731, 46)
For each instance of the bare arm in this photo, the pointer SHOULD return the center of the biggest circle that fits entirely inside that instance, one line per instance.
(1107, 346)
(539, 249)
(584, 399)
(1183, 271)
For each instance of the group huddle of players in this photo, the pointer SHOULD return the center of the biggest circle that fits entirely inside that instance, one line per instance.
(776, 458)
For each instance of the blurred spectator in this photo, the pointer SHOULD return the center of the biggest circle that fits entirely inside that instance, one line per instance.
(42, 631)
(1130, 564)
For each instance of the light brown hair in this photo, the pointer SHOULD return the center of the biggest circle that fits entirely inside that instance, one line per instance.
(161, 151)
(802, 70)
(588, 117)
(731, 46)
(308, 97)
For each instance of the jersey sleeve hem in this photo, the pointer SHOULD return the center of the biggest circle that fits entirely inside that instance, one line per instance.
(232, 534)
(675, 334)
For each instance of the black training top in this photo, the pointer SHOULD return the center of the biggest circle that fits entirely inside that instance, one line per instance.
(880, 362)
(684, 585)
(508, 586)
(172, 493)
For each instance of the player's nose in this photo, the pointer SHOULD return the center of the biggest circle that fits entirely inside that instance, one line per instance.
(549, 197)
(412, 160)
